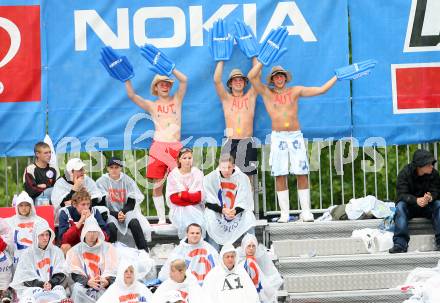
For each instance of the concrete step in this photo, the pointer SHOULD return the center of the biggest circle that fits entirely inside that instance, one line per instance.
(340, 246)
(344, 281)
(354, 296)
(334, 229)
(357, 263)
(355, 272)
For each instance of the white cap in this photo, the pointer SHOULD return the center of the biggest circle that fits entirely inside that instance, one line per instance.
(74, 164)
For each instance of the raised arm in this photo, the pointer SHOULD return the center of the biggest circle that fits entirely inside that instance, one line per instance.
(255, 79)
(141, 102)
(252, 89)
(317, 90)
(183, 83)
(219, 87)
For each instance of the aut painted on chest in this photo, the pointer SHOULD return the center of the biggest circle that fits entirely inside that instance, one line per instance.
(239, 103)
(282, 99)
(166, 109)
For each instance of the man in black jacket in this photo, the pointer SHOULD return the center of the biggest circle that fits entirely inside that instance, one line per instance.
(418, 194)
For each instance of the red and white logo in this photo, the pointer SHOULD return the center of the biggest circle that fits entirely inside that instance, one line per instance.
(415, 88)
(20, 53)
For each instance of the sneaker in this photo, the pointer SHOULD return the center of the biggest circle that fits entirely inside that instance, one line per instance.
(283, 219)
(396, 249)
(306, 216)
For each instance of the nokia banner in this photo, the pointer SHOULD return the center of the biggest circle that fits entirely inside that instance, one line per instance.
(400, 100)
(22, 95)
(90, 110)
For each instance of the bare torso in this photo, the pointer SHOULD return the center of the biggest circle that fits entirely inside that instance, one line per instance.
(239, 115)
(283, 109)
(167, 118)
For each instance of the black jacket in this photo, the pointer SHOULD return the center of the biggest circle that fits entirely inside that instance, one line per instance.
(410, 186)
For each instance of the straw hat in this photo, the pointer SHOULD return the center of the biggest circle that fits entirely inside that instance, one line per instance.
(156, 80)
(278, 70)
(235, 73)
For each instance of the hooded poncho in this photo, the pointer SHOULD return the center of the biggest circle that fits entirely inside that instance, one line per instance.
(116, 193)
(21, 227)
(5, 256)
(231, 192)
(40, 264)
(189, 289)
(232, 286)
(182, 216)
(119, 292)
(91, 261)
(200, 258)
(261, 269)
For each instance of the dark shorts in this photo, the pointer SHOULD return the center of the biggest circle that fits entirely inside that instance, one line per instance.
(245, 153)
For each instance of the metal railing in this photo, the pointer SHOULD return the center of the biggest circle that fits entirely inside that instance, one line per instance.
(339, 171)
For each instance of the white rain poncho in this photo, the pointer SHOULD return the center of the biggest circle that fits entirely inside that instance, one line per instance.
(21, 228)
(5, 257)
(116, 193)
(62, 188)
(366, 206)
(232, 192)
(145, 265)
(189, 289)
(182, 216)
(264, 275)
(200, 258)
(99, 260)
(40, 264)
(119, 292)
(231, 286)
(375, 240)
(424, 284)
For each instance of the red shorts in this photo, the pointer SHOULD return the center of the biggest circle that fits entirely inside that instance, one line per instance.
(162, 158)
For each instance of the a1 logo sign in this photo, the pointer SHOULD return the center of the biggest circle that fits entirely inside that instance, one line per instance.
(20, 54)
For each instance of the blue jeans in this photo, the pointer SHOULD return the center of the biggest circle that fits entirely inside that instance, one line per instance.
(405, 212)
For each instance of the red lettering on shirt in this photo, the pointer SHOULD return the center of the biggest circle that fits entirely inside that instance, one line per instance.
(26, 225)
(117, 195)
(128, 297)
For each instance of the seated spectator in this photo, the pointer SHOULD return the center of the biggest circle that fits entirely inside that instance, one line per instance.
(39, 177)
(200, 257)
(230, 282)
(72, 219)
(256, 261)
(92, 264)
(22, 226)
(126, 288)
(40, 273)
(182, 281)
(229, 203)
(5, 263)
(73, 180)
(418, 195)
(122, 197)
(184, 193)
